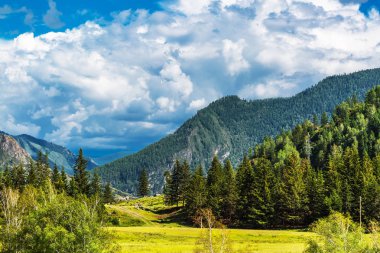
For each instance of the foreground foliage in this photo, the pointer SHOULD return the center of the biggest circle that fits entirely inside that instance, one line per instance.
(40, 220)
(341, 235)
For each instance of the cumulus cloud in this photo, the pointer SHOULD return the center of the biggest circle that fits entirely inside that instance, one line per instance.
(130, 81)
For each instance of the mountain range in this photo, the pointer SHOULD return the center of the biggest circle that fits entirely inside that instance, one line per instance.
(25, 146)
(230, 127)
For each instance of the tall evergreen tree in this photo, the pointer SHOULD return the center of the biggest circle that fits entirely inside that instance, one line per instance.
(143, 184)
(32, 175)
(244, 186)
(96, 185)
(262, 206)
(65, 184)
(214, 187)
(291, 192)
(196, 196)
(81, 175)
(108, 194)
(324, 119)
(229, 193)
(56, 178)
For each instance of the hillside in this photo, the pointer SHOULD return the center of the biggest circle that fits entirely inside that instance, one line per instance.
(20, 148)
(11, 152)
(57, 154)
(230, 126)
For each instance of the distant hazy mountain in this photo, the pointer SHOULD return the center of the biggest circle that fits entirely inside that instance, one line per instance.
(111, 157)
(11, 152)
(230, 126)
(57, 154)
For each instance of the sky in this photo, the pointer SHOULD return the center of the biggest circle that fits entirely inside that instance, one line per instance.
(112, 76)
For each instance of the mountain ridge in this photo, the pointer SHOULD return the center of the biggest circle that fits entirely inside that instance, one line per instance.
(230, 126)
(57, 154)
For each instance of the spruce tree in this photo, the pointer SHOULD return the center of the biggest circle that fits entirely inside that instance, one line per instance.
(196, 196)
(185, 177)
(244, 186)
(81, 175)
(291, 199)
(18, 177)
(229, 193)
(324, 119)
(32, 177)
(175, 184)
(65, 185)
(96, 185)
(56, 178)
(262, 206)
(214, 187)
(143, 184)
(108, 194)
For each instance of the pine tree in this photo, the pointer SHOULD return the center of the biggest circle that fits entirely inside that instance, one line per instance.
(18, 177)
(65, 185)
(185, 177)
(56, 178)
(291, 192)
(196, 196)
(108, 194)
(81, 175)
(143, 184)
(42, 169)
(96, 185)
(324, 119)
(262, 206)
(334, 180)
(214, 187)
(229, 193)
(32, 177)
(174, 185)
(316, 194)
(244, 186)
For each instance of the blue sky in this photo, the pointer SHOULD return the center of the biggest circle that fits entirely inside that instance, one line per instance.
(113, 75)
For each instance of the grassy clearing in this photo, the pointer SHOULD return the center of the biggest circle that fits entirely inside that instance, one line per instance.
(146, 225)
(182, 239)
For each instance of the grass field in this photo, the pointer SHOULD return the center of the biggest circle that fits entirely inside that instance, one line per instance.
(182, 239)
(147, 226)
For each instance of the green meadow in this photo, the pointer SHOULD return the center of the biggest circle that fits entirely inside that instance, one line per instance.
(146, 225)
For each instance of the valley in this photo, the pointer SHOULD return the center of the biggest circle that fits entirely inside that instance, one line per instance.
(146, 229)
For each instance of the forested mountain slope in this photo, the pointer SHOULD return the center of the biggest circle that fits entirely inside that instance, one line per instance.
(230, 126)
(295, 178)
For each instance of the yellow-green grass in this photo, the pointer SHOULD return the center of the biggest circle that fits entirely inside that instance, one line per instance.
(184, 239)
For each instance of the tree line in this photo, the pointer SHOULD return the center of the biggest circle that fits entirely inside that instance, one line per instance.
(45, 210)
(37, 173)
(329, 164)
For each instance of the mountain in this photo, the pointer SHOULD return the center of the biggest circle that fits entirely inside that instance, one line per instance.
(230, 126)
(57, 154)
(11, 152)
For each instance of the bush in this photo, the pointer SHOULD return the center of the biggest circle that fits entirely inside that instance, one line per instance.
(339, 235)
(43, 221)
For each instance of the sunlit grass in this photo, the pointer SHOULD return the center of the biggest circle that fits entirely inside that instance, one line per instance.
(147, 225)
(166, 239)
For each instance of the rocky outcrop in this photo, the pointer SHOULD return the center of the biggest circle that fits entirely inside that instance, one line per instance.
(11, 152)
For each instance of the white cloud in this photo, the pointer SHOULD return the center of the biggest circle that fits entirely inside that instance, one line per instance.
(233, 55)
(11, 126)
(197, 104)
(142, 74)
